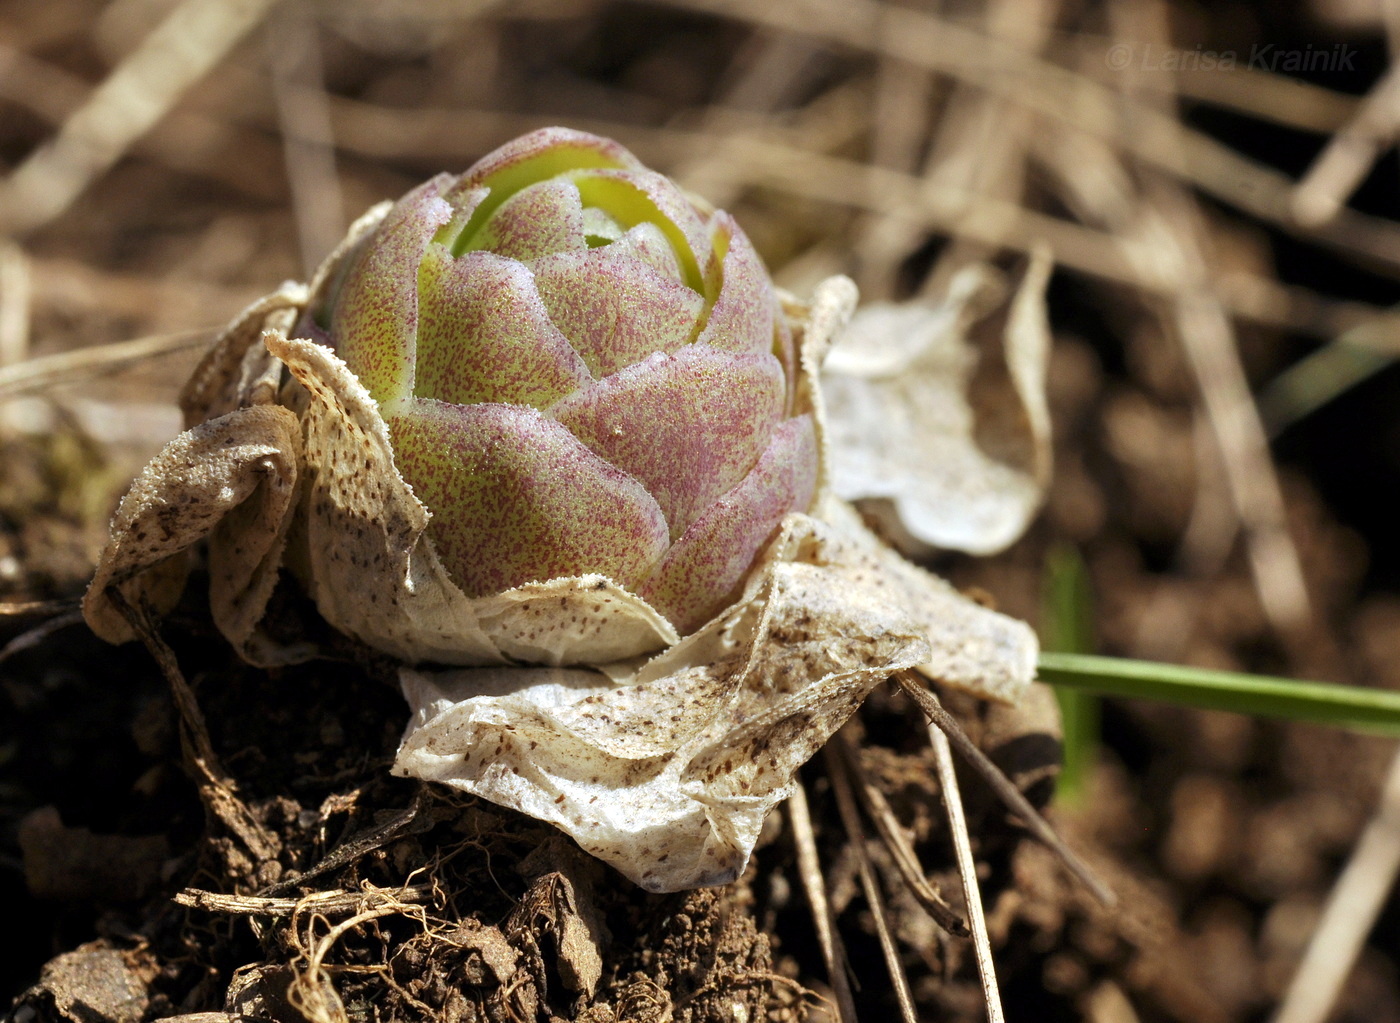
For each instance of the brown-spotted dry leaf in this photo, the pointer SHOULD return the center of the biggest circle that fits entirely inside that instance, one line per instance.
(667, 771)
(233, 481)
(238, 370)
(970, 647)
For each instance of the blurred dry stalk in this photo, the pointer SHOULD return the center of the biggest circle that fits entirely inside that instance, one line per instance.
(150, 157)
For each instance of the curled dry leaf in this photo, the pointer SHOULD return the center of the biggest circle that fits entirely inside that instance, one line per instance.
(939, 411)
(656, 736)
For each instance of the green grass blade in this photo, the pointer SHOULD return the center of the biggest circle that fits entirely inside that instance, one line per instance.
(1365, 710)
(1067, 626)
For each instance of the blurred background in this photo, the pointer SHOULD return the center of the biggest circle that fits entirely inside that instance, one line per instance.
(1217, 184)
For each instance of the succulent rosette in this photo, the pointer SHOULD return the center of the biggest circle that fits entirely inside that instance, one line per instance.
(582, 373)
(550, 422)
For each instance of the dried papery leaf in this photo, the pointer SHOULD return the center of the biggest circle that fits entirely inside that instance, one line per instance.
(971, 647)
(610, 623)
(362, 524)
(956, 439)
(238, 370)
(818, 324)
(233, 479)
(668, 772)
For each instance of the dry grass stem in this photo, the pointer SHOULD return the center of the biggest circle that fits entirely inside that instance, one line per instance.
(1352, 909)
(1212, 351)
(1005, 791)
(1208, 337)
(967, 870)
(48, 371)
(15, 291)
(878, 809)
(355, 847)
(328, 903)
(37, 608)
(823, 917)
(217, 790)
(1165, 233)
(303, 113)
(1275, 98)
(1350, 155)
(192, 39)
(855, 834)
(1071, 100)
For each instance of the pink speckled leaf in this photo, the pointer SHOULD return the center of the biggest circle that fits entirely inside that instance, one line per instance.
(535, 157)
(375, 317)
(484, 335)
(517, 499)
(706, 567)
(633, 197)
(742, 317)
(648, 243)
(615, 308)
(688, 425)
(544, 218)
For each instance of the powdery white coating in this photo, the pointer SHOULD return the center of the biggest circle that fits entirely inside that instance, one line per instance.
(942, 411)
(667, 772)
